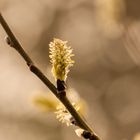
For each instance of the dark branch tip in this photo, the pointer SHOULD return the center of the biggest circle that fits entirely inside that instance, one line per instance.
(86, 134)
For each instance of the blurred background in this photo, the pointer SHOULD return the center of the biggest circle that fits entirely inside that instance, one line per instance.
(105, 37)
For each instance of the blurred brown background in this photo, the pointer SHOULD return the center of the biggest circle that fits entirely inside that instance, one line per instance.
(105, 37)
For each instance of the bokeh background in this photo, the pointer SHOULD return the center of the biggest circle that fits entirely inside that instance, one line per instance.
(105, 37)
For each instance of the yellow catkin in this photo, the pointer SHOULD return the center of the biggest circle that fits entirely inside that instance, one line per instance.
(60, 57)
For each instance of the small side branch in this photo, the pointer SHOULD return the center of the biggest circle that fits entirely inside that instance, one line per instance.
(13, 42)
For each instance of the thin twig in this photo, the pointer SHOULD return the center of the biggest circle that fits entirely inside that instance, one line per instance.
(16, 45)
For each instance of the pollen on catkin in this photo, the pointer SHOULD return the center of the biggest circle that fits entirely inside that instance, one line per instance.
(63, 115)
(60, 58)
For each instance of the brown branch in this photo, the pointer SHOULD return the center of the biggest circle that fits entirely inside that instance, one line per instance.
(13, 42)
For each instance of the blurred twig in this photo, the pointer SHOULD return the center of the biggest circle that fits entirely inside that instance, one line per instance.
(13, 42)
(131, 43)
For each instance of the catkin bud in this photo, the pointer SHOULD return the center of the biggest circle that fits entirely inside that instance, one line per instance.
(60, 57)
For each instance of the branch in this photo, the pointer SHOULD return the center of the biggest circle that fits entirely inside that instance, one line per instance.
(13, 42)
